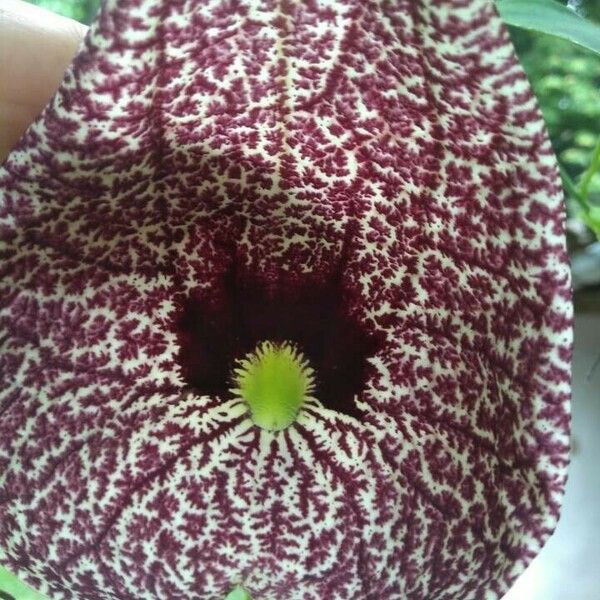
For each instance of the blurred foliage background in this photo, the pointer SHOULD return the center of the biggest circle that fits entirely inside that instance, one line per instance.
(80, 10)
(565, 78)
(566, 81)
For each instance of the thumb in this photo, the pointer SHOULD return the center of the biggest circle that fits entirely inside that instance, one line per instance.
(35, 48)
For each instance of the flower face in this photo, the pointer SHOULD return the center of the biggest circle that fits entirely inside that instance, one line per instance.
(368, 181)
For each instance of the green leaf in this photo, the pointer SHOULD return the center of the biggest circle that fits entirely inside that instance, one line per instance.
(548, 16)
(10, 584)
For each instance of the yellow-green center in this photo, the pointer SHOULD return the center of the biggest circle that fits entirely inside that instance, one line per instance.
(274, 380)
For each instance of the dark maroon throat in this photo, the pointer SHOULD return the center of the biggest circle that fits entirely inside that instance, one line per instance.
(219, 326)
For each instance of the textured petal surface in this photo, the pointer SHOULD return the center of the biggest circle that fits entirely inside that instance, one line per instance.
(203, 165)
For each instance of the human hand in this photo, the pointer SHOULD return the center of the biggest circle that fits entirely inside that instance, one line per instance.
(35, 48)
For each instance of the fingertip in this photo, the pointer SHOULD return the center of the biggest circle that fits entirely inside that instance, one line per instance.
(36, 46)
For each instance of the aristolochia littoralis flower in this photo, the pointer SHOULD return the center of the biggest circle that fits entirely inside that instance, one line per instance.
(356, 196)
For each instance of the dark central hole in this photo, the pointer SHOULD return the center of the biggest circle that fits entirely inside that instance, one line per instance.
(219, 327)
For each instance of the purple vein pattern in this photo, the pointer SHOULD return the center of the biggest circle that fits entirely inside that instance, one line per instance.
(370, 179)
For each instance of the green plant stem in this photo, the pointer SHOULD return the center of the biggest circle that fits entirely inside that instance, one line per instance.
(584, 185)
(572, 190)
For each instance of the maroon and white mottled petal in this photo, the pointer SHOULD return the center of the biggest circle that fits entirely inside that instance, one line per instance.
(369, 179)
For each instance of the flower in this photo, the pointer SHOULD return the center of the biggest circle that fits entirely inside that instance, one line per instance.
(369, 182)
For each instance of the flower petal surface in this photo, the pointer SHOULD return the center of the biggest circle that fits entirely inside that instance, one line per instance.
(370, 180)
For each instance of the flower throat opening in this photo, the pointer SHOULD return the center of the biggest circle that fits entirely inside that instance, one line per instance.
(220, 326)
